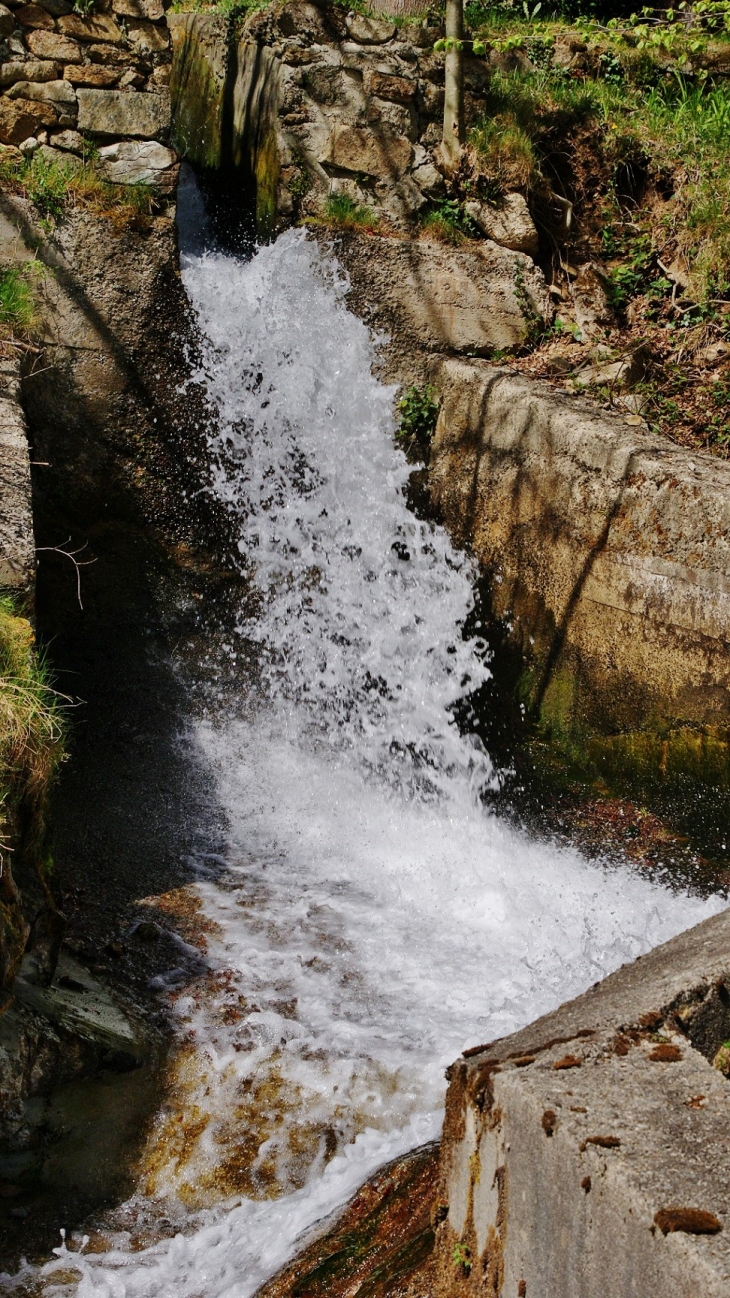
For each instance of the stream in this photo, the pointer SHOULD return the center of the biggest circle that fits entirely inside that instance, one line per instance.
(368, 919)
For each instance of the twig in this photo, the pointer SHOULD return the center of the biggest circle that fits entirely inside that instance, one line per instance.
(70, 554)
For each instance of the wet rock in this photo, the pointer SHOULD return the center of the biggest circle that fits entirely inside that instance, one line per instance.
(358, 149)
(96, 27)
(508, 224)
(131, 162)
(37, 70)
(54, 92)
(51, 45)
(33, 16)
(118, 112)
(369, 31)
(91, 75)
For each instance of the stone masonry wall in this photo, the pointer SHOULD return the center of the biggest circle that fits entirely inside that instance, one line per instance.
(68, 80)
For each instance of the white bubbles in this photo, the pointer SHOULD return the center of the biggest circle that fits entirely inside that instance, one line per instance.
(372, 920)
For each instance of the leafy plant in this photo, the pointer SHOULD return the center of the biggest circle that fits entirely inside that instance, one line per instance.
(462, 1257)
(418, 409)
(47, 187)
(449, 221)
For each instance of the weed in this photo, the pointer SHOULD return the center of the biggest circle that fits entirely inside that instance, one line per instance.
(418, 408)
(462, 1257)
(343, 211)
(18, 308)
(449, 222)
(46, 185)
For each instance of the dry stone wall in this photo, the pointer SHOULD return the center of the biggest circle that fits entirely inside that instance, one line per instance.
(73, 85)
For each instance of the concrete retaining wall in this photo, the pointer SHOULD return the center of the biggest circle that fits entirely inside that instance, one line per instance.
(610, 553)
(587, 1155)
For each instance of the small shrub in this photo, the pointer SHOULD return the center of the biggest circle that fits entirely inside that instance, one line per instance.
(418, 409)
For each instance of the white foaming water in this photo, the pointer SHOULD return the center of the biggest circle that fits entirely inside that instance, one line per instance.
(373, 919)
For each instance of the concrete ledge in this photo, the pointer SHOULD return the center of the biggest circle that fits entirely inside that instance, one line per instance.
(581, 1156)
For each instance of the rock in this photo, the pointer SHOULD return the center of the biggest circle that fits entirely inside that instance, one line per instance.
(509, 225)
(131, 163)
(28, 147)
(403, 200)
(145, 36)
(400, 89)
(61, 158)
(38, 70)
(56, 7)
(150, 9)
(429, 180)
(119, 112)
(160, 76)
(591, 307)
(91, 74)
(97, 27)
(299, 18)
(369, 31)
(43, 92)
(131, 79)
(20, 119)
(15, 45)
(110, 56)
(50, 45)
(7, 22)
(476, 298)
(568, 51)
(33, 16)
(358, 149)
(71, 141)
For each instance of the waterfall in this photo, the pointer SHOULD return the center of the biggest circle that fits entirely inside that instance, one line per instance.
(370, 919)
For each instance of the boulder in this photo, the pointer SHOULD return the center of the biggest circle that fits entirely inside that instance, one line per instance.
(33, 16)
(19, 120)
(429, 180)
(150, 9)
(97, 27)
(91, 74)
(510, 224)
(358, 149)
(7, 21)
(369, 31)
(145, 36)
(68, 162)
(44, 92)
(132, 162)
(474, 299)
(299, 18)
(400, 89)
(35, 70)
(50, 45)
(120, 112)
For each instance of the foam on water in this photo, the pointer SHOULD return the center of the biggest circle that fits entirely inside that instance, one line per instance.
(373, 920)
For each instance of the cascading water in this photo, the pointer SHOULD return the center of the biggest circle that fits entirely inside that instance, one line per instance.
(371, 920)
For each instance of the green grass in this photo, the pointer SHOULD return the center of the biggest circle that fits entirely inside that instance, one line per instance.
(449, 222)
(31, 725)
(54, 189)
(342, 211)
(19, 316)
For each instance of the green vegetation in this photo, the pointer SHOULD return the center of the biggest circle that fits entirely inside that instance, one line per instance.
(462, 1257)
(342, 211)
(18, 307)
(55, 188)
(418, 409)
(31, 729)
(449, 222)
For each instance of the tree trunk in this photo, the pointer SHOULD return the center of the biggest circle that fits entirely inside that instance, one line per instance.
(454, 86)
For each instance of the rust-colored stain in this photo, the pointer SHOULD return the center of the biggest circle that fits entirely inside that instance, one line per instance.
(665, 1053)
(549, 1121)
(568, 1061)
(604, 1142)
(696, 1102)
(523, 1061)
(586, 1184)
(691, 1221)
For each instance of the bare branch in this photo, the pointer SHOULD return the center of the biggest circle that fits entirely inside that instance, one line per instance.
(70, 554)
